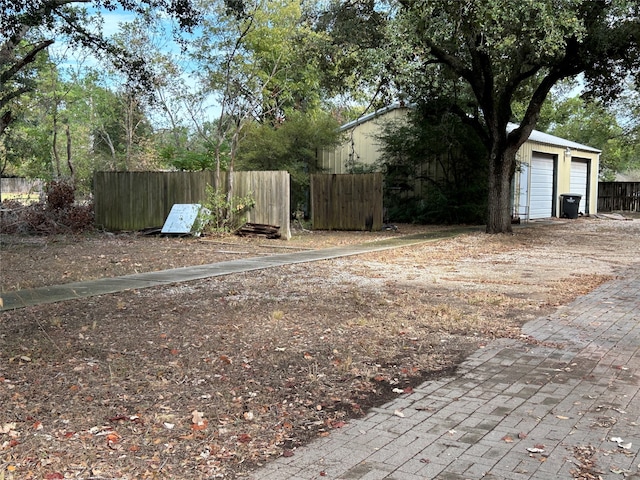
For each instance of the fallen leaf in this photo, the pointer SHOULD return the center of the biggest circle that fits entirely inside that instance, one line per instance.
(522, 435)
(7, 427)
(198, 421)
(53, 476)
(200, 426)
(244, 438)
(535, 450)
(408, 390)
(620, 471)
(287, 453)
(507, 439)
(248, 416)
(225, 359)
(118, 418)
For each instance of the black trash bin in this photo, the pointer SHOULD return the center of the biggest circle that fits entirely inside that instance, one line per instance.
(570, 205)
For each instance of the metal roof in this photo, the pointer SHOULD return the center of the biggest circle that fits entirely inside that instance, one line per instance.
(541, 137)
(371, 116)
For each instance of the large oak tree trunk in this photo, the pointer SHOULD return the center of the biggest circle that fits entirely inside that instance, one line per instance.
(502, 163)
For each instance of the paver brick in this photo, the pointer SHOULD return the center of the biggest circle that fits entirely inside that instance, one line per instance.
(466, 427)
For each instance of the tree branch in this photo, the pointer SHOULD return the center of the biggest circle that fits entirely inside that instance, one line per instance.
(26, 60)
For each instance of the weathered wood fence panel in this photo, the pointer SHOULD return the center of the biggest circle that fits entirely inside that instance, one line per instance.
(346, 202)
(139, 200)
(619, 196)
(271, 192)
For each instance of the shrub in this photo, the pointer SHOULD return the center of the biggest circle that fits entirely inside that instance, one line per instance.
(57, 213)
(221, 215)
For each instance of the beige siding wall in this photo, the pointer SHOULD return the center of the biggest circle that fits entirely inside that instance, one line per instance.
(360, 144)
(563, 184)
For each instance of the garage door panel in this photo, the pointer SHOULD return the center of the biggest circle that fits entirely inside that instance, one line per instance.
(579, 182)
(542, 186)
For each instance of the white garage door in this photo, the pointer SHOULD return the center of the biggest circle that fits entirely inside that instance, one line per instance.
(579, 175)
(541, 188)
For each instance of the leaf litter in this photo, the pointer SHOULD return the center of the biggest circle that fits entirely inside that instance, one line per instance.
(213, 378)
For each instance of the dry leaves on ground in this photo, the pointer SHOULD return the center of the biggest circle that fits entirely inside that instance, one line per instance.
(212, 378)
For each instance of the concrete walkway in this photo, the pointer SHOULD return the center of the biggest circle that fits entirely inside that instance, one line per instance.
(561, 403)
(71, 291)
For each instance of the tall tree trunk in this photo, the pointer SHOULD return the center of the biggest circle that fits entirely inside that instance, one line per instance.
(56, 157)
(502, 165)
(230, 186)
(67, 132)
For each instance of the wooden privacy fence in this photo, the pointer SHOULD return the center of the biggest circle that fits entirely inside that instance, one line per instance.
(139, 200)
(346, 202)
(619, 196)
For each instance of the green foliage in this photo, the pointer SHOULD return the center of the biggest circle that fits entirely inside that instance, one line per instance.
(261, 63)
(187, 160)
(291, 145)
(611, 128)
(224, 215)
(590, 123)
(29, 28)
(436, 170)
(353, 59)
(71, 127)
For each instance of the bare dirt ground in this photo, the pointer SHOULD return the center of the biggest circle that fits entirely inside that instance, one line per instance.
(210, 379)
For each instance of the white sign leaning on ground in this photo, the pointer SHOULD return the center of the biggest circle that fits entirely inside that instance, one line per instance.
(183, 219)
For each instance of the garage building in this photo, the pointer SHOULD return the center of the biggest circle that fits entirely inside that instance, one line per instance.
(549, 167)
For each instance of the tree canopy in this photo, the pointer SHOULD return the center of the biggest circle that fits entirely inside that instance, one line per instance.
(29, 28)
